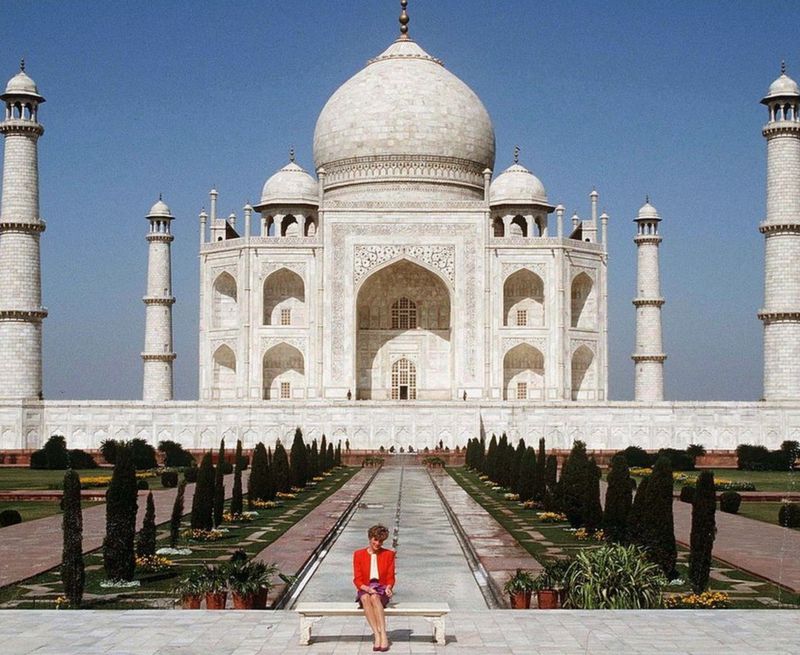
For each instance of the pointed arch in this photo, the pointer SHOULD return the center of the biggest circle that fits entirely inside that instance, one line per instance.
(283, 376)
(583, 306)
(224, 373)
(523, 373)
(290, 227)
(523, 299)
(498, 227)
(583, 374)
(284, 298)
(224, 307)
(518, 226)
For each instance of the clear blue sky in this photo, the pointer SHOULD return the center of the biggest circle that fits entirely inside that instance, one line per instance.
(631, 97)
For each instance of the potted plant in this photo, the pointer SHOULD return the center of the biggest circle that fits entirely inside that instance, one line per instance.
(262, 574)
(190, 589)
(214, 583)
(519, 587)
(550, 584)
(249, 581)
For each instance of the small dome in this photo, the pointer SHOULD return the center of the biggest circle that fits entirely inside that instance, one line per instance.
(783, 87)
(517, 186)
(648, 212)
(290, 186)
(22, 85)
(160, 209)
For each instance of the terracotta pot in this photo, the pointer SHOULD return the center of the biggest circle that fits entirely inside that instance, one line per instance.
(521, 600)
(547, 599)
(216, 601)
(191, 602)
(260, 599)
(243, 601)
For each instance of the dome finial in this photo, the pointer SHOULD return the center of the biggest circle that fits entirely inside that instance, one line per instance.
(404, 19)
(516, 154)
(647, 199)
(291, 154)
(22, 64)
(159, 197)
(783, 67)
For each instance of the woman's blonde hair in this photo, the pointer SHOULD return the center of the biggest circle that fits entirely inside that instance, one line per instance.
(379, 531)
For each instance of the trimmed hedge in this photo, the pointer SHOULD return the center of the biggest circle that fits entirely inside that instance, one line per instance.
(729, 502)
(789, 515)
(687, 494)
(169, 479)
(9, 517)
(142, 485)
(80, 459)
(190, 474)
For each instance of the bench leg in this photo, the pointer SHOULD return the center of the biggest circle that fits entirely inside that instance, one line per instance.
(438, 628)
(305, 628)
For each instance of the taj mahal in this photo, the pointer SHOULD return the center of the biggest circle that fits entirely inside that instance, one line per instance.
(409, 287)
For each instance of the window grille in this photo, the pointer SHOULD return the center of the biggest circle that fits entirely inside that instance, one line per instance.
(522, 390)
(404, 314)
(285, 390)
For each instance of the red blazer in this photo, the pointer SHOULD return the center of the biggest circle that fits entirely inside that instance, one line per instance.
(361, 561)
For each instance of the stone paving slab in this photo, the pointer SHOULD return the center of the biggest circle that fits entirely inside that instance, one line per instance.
(498, 552)
(560, 632)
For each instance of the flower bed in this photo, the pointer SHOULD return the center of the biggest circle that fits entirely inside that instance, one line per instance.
(266, 504)
(154, 564)
(204, 535)
(551, 517)
(708, 600)
(720, 484)
(582, 534)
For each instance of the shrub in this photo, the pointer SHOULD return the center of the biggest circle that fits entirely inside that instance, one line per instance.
(80, 459)
(701, 540)
(635, 516)
(108, 449)
(237, 505)
(298, 461)
(792, 451)
(169, 479)
(9, 517)
(658, 529)
(540, 473)
(527, 473)
(146, 542)
(190, 474)
(695, 450)
(687, 493)
(177, 514)
(142, 485)
(758, 458)
(121, 505)
(575, 489)
(789, 515)
(73, 574)
(174, 454)
(279, 469)
(613, 577)
(637, 457)
(38, 459)
(258, 484)
(203, 498)
(729, 501)
(619, 497)
(219, 485)
(53, 456)
(679, 460)
(144, 455)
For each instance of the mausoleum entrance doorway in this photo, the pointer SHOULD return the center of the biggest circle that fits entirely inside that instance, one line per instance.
(403, 335)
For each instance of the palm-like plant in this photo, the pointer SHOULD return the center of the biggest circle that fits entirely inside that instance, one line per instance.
(614, 577)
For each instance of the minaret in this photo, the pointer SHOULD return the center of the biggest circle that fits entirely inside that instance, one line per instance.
(648, 358)
(158, 355)
(781, 229)
(21, 310)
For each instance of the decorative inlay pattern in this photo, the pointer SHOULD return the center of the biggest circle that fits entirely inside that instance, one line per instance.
(271, 342)
(510, 342)
(574, 344)
(367, 257)
(270, 267)
(513, 267)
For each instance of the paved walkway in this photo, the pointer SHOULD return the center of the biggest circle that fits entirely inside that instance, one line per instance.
(41, 540)
(486, 632)
(431, 566)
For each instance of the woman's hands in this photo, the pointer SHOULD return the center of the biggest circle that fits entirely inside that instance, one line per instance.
(389, 592)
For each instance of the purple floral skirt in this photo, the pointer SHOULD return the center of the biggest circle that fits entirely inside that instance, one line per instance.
(377, 586)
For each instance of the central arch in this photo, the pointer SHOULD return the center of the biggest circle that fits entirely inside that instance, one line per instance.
(403, 311)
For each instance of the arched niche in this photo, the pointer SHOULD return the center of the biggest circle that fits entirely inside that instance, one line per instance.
(224, 306)
(523, 300)
(523, 373)
(403, 308)
(583, 306)
(284, 298)
(583, 374)
(283, 373)
(518, 227)
(224, 372)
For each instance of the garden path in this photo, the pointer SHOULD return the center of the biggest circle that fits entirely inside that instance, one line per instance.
(29, 548)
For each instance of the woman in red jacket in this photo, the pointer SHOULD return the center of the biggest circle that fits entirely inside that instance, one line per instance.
(373, 576)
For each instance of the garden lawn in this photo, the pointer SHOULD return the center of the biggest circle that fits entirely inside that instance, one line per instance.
(42, 590)
(550, 540)
(35, 509)
(764, 480)
(13, 478)
(767, 512)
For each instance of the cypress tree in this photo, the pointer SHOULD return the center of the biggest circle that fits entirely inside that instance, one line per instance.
(313, 462)
(539, 484)
(593, 510)
(203, 499)
(636, 515)
(219, 485)
(703, 531)
(550, 483)
(480, 453)
(236, 498)
(619, 496)
(72, 571)
(280, 468)
(491, 458)
(257, 485)
(574, 484)
(298, 461)
(146, 541)
(658, 527)
(269, 487)
(526, 471)
(325, 463)
(177, 515)
(516, 466)
(121, 505)
(338, 458)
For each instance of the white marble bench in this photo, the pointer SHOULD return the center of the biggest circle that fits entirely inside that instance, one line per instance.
(310, 613)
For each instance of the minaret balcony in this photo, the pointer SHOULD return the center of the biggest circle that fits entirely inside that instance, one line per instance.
(21, 126)
(648, 302)
(776, 128)
(779, 228)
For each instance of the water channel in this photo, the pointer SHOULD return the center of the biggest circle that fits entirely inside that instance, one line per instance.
(431, 565)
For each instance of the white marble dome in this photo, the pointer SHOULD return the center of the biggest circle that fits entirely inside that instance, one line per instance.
(22, 85)
(291, 185)
(517, 186)
(160, 209)
(408, 111)
(783, 87)
(647, 211)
